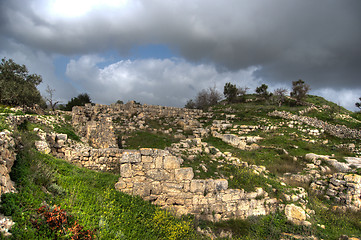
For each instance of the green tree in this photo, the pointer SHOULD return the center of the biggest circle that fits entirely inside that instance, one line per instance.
(299, 90)
(230, 91)
(80, 100)
(262, 92)
(358, 104)
(18, 87)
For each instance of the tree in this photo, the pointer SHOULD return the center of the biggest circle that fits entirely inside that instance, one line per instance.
(119, 102)
(262, 92)
(213, 96)
(299, 90)
(204, 99)
(190, 104)
(18, 87)
(279, 96)
(49, 98)
(230, 91)
(358, 104)
(80, 100)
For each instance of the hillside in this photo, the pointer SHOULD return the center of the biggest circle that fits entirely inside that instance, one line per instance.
(249, 170)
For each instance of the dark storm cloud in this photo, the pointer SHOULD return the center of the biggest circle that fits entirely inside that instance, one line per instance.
(317, 41)
(314, 40)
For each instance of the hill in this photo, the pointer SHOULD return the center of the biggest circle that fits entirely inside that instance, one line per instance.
(249, 170)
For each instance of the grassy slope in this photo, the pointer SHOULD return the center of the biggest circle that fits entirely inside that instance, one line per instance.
(87, 195)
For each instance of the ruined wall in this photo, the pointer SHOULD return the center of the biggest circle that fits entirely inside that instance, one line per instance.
(95, 122)
(157, 176)
(7, 158)
(340, 131)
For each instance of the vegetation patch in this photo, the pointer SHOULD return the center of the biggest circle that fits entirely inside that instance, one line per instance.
(145, 139)
(88, 196)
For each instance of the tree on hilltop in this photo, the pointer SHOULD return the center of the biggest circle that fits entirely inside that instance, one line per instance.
(204, 99)
(358, 104)
(279, 96)
(230, 92)
(300, 90)
(80, 100)
(234, 94)
(18, 87)
(262, 92)
(49, 98)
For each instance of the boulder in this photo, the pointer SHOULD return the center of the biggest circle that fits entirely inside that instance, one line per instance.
(295, 214)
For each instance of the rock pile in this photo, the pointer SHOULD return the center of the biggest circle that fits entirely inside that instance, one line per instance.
(340, 131)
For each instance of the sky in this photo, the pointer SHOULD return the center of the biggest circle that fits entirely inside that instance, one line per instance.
(163, 52)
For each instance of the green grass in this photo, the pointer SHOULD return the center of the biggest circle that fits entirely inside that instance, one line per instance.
(258, 227)
(88, 196)
(320, 101)
(144, 139)
(336, 223)
(275, 160)
(3, 124)
(237, 176)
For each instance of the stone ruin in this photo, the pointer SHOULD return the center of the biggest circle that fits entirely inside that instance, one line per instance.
(157, 175)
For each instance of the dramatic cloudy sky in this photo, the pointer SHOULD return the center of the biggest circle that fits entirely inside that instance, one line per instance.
(165, 51)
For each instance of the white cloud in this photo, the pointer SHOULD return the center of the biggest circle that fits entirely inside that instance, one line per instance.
(42, 64)
(169, 82)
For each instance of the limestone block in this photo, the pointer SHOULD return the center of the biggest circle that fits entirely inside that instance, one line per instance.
(131, 157)
(148, 166)
(221, 184)
(3, 170)
(137, 179)
(210, 186)
(171, 162)
(42, 146)
(120, 185)
(146, 151)
(353, 178)
(295, 214)
(61, 136)
(156, 188)
(170, 187)
(159, 162)
(142, 189)
(126, 170)
(158, 174)
(198, 186)
(147, 159)
(182, 174)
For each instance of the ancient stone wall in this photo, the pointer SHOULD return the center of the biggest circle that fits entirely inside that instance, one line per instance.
(340, 131)
(7, 158)
(344, 188)
(95, 122)
(157, 176)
